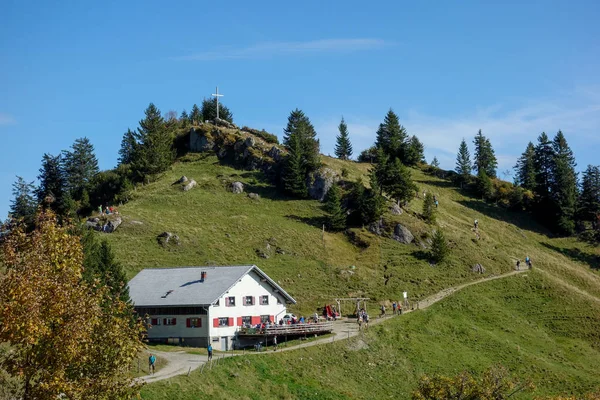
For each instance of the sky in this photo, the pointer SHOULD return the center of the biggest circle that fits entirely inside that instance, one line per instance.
(71, 69)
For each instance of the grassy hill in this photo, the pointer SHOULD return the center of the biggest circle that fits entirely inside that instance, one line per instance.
(543, 326)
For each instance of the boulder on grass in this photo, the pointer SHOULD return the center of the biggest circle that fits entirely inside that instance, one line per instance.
(402, 234)
(190, 185)
(167, 238)
(112, 225)
(237, 187)
(320, 182)
(254, 196)
(183, 179)
(395, 209)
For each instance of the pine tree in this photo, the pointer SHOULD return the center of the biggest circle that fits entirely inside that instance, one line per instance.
(336, 218)
(439, 247)
(23, 205)
(463, 162)
(209, 110)
(398, 183)
(52, 189)
(80, 166)
(589, 200)
(414, 151)
(196, 115)
(156, 153)
(380, 171)
(129, 147)
(429, 209)
(343, 147)
(371, 203)
(436, 164)
(543, 160)
(485, 157)
(525, 168)
(391, 136)
(303, 152)
(564, 184)
(184, 119)
(484, 185)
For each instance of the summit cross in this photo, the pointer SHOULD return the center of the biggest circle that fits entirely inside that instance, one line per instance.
(217, 95)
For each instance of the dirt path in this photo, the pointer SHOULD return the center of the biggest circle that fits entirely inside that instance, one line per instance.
(180, 362)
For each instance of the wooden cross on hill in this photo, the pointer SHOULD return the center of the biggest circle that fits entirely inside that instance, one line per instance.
(217, 95)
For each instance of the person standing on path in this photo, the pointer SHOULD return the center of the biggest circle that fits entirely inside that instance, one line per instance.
(518, 265)
(394, 306)
(382, 311)
(151, 364)
(209, 348)
(274, 343)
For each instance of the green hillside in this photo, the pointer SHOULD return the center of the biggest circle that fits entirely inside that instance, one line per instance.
(542, 326)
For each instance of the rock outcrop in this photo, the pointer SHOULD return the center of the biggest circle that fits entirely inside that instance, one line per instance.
(190, 185)
(320, 182)
(237, 187)
(402, 234)
(254, 196)
(395, 209)
(167, 238)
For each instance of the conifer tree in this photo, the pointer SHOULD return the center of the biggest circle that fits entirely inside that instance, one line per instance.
(196, 115)
(564, 184)
(429, 209)
(80, 166)
(463, 162)
(371, 203)
(398, 183)
(336, 218)
(209, 110)
(589, 201)
(543, 160)
(436, 164)
(184, 119)
(414, 151)
(343, 147)
(129, 147)
(52, 189)
(525, 168)
(485, 157)
(293, 176)
(391, 136)
(156, 153)
(484, 185)
(23, 205)
(439, 247)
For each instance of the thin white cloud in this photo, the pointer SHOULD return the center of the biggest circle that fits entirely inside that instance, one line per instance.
(509, 130)
(270, 49)
(6, 119)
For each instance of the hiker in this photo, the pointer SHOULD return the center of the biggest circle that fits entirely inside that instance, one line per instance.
(528, 262)
(394, 305)
(275, 343)
(399, 308)
(366, 320)
(382, 310)
(518, 265)
(359, 321)
(316, 318)
(151, 364)
(209, 348)
(436, 204)
(476, 224)
(100, 210)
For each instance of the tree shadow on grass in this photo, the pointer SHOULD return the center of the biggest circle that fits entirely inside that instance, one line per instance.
(441, 184)
(313, 221)
(422, 255)
(521, 220)
(575, 254)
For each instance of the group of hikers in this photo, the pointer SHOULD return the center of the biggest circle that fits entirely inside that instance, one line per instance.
(107, 210)
(527, 263)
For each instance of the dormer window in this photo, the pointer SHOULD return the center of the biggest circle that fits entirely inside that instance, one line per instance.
(230, 301)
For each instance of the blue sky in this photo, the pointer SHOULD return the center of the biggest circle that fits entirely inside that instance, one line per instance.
(511, 68)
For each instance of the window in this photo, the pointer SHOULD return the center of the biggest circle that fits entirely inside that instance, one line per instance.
(264, 300)
(246, 321)
(224, 321)
(230, 301)
(155, 321)
(194, 323)
(248, 301)
(217, 303)
(265, 318)
(169, 321)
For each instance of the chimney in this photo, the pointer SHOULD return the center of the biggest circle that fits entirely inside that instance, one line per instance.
(202, 276)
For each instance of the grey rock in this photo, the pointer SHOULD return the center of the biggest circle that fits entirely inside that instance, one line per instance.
(183, 179)
(250, 142)
(199, 142)
(222, 153)
(395, 209)
(237, 147)
(478, 268)
(377, 227)
(402, 234)
(166, 238)
(190, 185)
(261, 254)
(320, 182)
(275, 153)
(237, 187)
(254, 196)
(280, 251)
(222, 122)
(90, 224)
(112, 225)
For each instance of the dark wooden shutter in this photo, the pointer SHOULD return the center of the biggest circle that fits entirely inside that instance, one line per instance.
(199, 323)
(174, 321)
(154, 321)
(164, 321)
(188, 322)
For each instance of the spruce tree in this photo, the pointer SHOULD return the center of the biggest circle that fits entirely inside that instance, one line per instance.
(439, 247)
(564, 184)
(463, 163)
(196, 115)
(525, 168)
(80, 166)
(343, 147)
(156, 153)
(294, 175)
(391, 136)
(23, 205)
(589, 200)
(129, 148)
(484, 185)
(209, 110)
(336, 218)
(414, 151)
(429, 209)
(543, 160)
(485, 157)
(436, 164)
(52, 189)
(184, 119)
(398, 183)
(371, 203)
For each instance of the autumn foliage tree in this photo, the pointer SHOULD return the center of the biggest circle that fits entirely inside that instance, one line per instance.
(67, 337)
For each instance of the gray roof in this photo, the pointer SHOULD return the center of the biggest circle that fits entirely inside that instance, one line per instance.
(184, 287)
